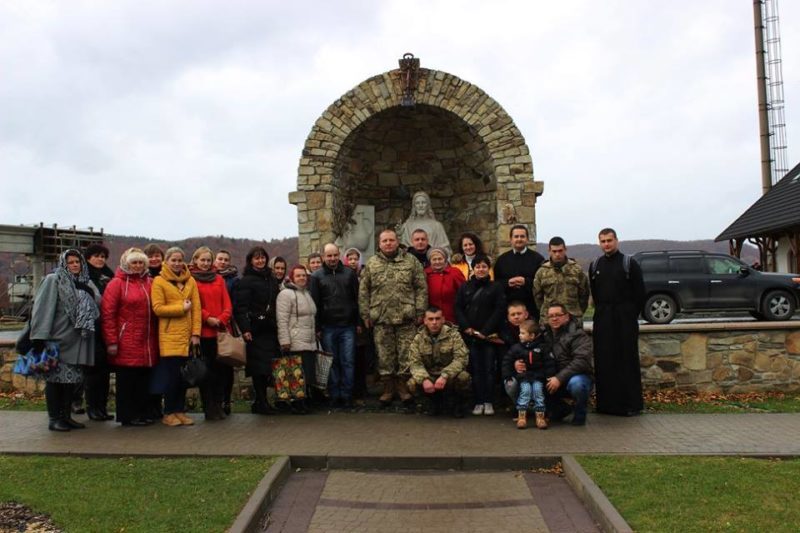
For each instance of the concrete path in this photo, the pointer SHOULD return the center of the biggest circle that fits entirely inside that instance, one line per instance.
(405, 436)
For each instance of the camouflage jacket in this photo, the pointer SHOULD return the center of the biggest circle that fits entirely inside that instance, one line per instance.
(392, 291)
(445, 355)
(568, 285)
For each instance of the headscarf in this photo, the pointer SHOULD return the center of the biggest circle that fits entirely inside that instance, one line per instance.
(76, 295)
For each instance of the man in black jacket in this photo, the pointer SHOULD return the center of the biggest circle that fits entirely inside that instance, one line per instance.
(516, 268)
(572, 348)
(334, 288)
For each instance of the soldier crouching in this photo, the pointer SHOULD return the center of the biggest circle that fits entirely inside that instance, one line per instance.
(437, 361)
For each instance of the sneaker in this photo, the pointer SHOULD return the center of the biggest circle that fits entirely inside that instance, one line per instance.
(171, 420)
(488, 409)
(185, 420)
(478, 409)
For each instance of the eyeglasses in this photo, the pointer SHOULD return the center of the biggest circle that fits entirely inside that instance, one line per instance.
(559, 315)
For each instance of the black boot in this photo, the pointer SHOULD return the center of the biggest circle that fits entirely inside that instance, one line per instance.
(66, 411)
(52, 396)
(455, 402)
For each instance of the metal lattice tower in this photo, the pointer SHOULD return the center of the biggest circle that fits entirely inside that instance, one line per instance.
(774, 82)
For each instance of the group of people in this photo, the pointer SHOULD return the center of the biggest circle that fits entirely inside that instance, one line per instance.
(443, 327)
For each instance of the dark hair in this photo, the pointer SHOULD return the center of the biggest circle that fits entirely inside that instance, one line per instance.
(279, 259)
(606, 231)
(482, 258)
(153, 249)
(419, 230)
(312, 255)
(518, 226)
(254, 251)
(96, 248)
(529, 326)
(433, 309)
(516, 303)
(475, 240)
(223, 251)
(556, 241)
(560, 305)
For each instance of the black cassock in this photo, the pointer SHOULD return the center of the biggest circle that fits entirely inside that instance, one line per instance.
(618, 299)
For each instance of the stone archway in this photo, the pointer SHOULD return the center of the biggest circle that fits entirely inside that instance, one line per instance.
(456, 143)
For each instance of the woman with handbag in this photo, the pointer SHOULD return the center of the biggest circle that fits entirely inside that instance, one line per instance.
(255, 296)
(297, 336)
(64, 312)
(176, 303)
(130, 333)
(216, 309)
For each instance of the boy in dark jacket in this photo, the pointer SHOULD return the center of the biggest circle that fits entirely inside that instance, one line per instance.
(530, 363)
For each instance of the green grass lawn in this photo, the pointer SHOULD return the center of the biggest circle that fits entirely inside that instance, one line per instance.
(703, 494)
(127, 494)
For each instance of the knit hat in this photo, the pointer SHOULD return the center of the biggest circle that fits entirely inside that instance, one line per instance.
(438, 249)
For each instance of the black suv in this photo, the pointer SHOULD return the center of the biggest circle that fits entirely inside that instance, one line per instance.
(689, 281)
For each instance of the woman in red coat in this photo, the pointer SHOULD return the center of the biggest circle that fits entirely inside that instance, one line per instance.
(130, 330)
(216, 311)
(443, 283)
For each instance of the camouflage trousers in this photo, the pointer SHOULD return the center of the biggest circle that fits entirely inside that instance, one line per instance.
(392, 344)
(459, 383)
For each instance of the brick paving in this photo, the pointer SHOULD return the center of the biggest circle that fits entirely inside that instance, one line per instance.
(396, 435)
(427, 501)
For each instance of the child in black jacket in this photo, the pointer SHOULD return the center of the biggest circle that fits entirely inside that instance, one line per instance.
(530, 362)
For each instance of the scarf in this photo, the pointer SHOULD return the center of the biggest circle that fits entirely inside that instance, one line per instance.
(76, 294)
(203, 276)
(229, 271)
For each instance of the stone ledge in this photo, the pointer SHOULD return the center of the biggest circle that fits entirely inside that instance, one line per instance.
(713, 326)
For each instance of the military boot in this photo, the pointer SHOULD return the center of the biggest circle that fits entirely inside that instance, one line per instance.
(388, 391)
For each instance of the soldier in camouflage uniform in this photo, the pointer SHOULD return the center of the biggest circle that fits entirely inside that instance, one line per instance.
(561, 280)
(392, 299)
(438, 361)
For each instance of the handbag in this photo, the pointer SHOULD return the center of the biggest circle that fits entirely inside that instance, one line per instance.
(290, 383)
(38, 363)
(231, 349)
(194, 370)
(324, 362)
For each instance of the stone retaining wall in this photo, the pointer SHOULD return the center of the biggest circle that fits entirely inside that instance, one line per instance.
(730, 357)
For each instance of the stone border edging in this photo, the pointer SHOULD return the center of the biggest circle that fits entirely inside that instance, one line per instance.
(593, 498)
(250, 517)
(432, 462)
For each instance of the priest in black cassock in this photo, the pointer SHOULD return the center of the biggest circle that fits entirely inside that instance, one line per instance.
(516, 268)
(618, 293)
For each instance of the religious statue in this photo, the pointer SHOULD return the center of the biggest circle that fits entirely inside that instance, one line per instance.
(422, 217)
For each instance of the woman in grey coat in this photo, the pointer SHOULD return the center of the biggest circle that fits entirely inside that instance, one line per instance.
(64, 312)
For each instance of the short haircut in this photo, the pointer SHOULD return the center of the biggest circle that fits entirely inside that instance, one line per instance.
(482, 258)
(96, 248)
(419, 230)
(153, 249)
(529, 326)
(130, 255)
(518, 226)
(223, 251)
(433, 309)
(312, 255)
(516, 303)
(606, 231)
(174, 250)
(388, 230)
(556, 241)
(326, 246)
(559, 305)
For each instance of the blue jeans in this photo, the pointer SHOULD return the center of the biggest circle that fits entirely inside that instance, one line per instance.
(579, 387)
(341, 342)
(526, 390)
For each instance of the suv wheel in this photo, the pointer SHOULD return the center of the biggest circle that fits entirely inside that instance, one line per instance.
(660, 309)
(778, 305)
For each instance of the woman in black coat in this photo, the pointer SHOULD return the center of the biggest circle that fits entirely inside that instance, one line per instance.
(97, 382)
(254, 308)
(480, 308)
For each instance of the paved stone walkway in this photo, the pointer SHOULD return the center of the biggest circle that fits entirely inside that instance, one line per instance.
(396, 435)
(427, 501)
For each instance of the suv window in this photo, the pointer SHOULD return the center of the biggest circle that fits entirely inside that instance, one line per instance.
(687, 265)
(654, 264)
(723, 265)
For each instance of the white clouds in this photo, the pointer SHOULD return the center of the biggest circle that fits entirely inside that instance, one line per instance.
(188, 118)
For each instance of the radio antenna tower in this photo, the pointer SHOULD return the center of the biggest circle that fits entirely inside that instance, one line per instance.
(771, 121)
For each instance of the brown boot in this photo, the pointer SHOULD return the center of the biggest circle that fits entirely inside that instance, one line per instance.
(402, 389)
(388, 391)
(522, 419)
(541, 422)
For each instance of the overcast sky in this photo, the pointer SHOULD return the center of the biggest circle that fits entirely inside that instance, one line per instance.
(179, 119)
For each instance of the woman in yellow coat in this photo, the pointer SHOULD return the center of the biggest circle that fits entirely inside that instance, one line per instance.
(176, 303)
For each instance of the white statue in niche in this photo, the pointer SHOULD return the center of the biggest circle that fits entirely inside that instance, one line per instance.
(422, 217)
(360, 235)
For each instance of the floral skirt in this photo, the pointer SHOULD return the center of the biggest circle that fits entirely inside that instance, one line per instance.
(290, 383)
(65, 373)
